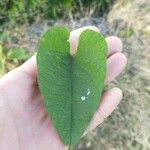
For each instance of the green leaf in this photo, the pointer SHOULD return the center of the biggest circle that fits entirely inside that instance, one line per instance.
(71, 85)
(2, 61)
(17, 54)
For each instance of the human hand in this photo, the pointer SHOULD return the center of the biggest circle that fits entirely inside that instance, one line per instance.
(24, 123)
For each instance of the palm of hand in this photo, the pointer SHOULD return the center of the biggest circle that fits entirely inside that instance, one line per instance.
(24, 124)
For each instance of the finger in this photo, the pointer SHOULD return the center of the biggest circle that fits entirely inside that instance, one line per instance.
(30, 67)
(114, 45)
(115, 64)
(109, 102)
(74, 37)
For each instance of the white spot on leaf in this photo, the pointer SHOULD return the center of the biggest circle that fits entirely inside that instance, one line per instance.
(88, 92)
(83, 98)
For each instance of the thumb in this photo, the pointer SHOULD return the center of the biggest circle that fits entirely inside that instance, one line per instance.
(30, 67)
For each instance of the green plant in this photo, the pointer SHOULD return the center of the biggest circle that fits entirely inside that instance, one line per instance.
(2, 61)
(102, 4)
(11, 58)
(17, 54)
(58, 8)
(27, 11)
(16, 11)
(71, 85)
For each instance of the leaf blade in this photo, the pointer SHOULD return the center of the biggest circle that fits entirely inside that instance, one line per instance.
(54, 72)
(91, 57)
(71, 86)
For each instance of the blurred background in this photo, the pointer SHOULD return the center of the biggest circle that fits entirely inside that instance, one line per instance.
(23, 21)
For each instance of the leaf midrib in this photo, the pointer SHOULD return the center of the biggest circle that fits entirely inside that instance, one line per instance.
(71, 100)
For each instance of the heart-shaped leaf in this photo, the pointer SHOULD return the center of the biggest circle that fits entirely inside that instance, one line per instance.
(71, 85)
